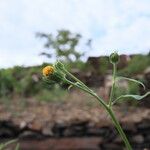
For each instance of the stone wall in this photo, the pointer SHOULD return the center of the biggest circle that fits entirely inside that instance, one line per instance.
(80, 135)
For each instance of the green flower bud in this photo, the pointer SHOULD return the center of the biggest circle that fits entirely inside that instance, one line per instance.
(59, 65)
(57, 77)
(114, 57)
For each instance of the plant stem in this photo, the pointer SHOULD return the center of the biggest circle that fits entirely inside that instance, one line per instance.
(113, 85)
(102, 102)
(116, 123)
(119, 128)
(89, 91)
(76, 79)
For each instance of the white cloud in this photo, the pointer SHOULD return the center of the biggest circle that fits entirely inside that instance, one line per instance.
(112, 24)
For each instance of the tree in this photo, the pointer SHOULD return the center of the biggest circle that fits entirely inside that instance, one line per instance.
(63, 45)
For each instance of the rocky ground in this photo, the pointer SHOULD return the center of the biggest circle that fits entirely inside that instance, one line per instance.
(73, 125)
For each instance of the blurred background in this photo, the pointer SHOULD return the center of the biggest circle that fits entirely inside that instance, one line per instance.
(82, 34)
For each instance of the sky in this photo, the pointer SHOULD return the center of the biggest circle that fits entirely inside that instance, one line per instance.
(122, 25)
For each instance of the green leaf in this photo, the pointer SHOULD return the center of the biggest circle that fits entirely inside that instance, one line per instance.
(129, 79)
(136, 97)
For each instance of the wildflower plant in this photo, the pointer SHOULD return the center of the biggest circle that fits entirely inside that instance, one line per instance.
(59, 74)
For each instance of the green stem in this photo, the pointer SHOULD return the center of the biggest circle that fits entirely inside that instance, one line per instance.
(102, 102)
(76, 79)
(119, 128)
(88, 91)
(76, 85)
(113, 85)
(115, 121)
(110, 112)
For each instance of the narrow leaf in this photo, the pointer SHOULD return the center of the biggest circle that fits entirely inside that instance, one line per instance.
(70, 87)
(136, 97)
(129, 79)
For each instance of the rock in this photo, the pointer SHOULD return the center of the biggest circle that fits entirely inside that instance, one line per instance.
(111, 146)
(58, 129)
(94, 132)
(30, 135)
(129, 127)
(8, 129)
(23, 124)
(144, 125)
(46, 131)
(147, 70)
(94, 63)
(123, 62)
(6, 133)
(138, 139)
(147, 138)
(75, 131)
(117, 140)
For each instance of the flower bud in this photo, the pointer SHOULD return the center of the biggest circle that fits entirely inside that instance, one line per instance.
(59, 65)
(114, 57)
(56, 77)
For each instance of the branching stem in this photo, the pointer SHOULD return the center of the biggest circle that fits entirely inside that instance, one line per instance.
(108, 108)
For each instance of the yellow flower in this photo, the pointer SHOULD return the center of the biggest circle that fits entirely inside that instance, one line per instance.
(48, 70)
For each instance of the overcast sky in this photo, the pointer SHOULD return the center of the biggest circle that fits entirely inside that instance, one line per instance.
(122, 25)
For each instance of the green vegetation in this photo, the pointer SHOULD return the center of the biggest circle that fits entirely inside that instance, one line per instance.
(54, 95)
(104, 65)
(19, 80)
(136, 65)
(132, 88)
(26, 82)
(63, 45)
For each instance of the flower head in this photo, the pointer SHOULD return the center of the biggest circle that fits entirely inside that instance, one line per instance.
(48, 70)
(114, 57)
